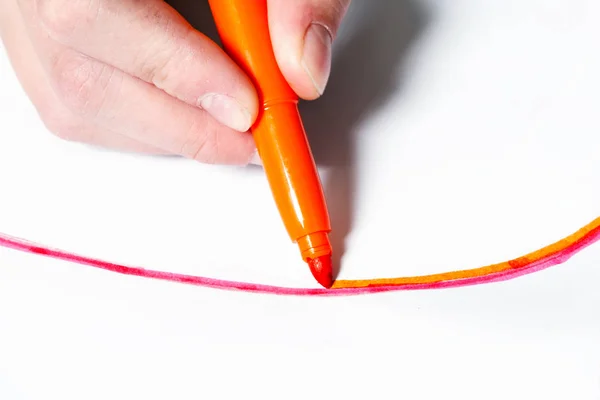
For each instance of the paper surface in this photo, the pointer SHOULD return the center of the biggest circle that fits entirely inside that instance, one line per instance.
(452, 135)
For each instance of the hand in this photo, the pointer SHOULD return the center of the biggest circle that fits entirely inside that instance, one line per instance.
(135, 76)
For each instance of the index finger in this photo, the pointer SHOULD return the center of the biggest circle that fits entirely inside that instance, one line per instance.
(151, 41)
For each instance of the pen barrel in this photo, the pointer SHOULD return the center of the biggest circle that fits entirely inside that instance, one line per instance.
(278, 131)
(291, 173)
(244, 31)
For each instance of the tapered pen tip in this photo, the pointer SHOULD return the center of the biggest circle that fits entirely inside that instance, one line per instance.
(322, 270)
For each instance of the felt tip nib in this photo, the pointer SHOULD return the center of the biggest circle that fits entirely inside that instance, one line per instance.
(322, 270)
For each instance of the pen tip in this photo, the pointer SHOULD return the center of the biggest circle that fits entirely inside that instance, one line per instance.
(321, 268)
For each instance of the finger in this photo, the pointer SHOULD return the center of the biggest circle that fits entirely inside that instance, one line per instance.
(151, 41)
(19, 50)
(102, 138)
(116, 101)
(55, 116)
(64, 125)
(121, 103)
(302, 32)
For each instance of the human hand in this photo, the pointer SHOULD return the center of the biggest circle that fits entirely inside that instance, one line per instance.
(135, 76)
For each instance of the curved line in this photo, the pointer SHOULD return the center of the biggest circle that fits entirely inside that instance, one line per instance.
(554, 254)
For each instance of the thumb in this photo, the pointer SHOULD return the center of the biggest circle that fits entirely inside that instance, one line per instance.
(302, 32)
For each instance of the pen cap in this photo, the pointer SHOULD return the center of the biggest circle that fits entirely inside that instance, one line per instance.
(278, 131)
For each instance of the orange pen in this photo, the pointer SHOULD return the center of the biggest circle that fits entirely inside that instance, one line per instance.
(279, 133)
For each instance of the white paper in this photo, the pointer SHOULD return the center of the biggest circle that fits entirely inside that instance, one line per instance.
(452, 135)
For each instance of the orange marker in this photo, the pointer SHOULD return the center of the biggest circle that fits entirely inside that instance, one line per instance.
(279, 132)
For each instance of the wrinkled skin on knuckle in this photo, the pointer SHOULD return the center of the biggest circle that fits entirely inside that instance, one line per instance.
(201, 145)
(78, 84)
(208, 152)
(165, 60)
(62, 19)
(155, 64)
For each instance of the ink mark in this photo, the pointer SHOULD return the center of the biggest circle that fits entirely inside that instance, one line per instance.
(554, 254)
(519, 262)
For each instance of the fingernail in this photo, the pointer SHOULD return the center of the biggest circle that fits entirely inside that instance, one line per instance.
(227, 111)
(255, 159)
(316, 58)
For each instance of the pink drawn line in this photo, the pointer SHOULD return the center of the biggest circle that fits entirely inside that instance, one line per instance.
(552, 259)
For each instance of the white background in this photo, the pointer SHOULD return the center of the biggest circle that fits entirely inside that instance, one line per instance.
(452, 135)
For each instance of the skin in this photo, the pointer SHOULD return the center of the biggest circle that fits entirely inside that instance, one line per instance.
(133, 75)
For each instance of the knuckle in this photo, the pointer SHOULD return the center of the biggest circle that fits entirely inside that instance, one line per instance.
(163, 61)
(201, 146)
(62, 18)
(78, 84)
(155, 68)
